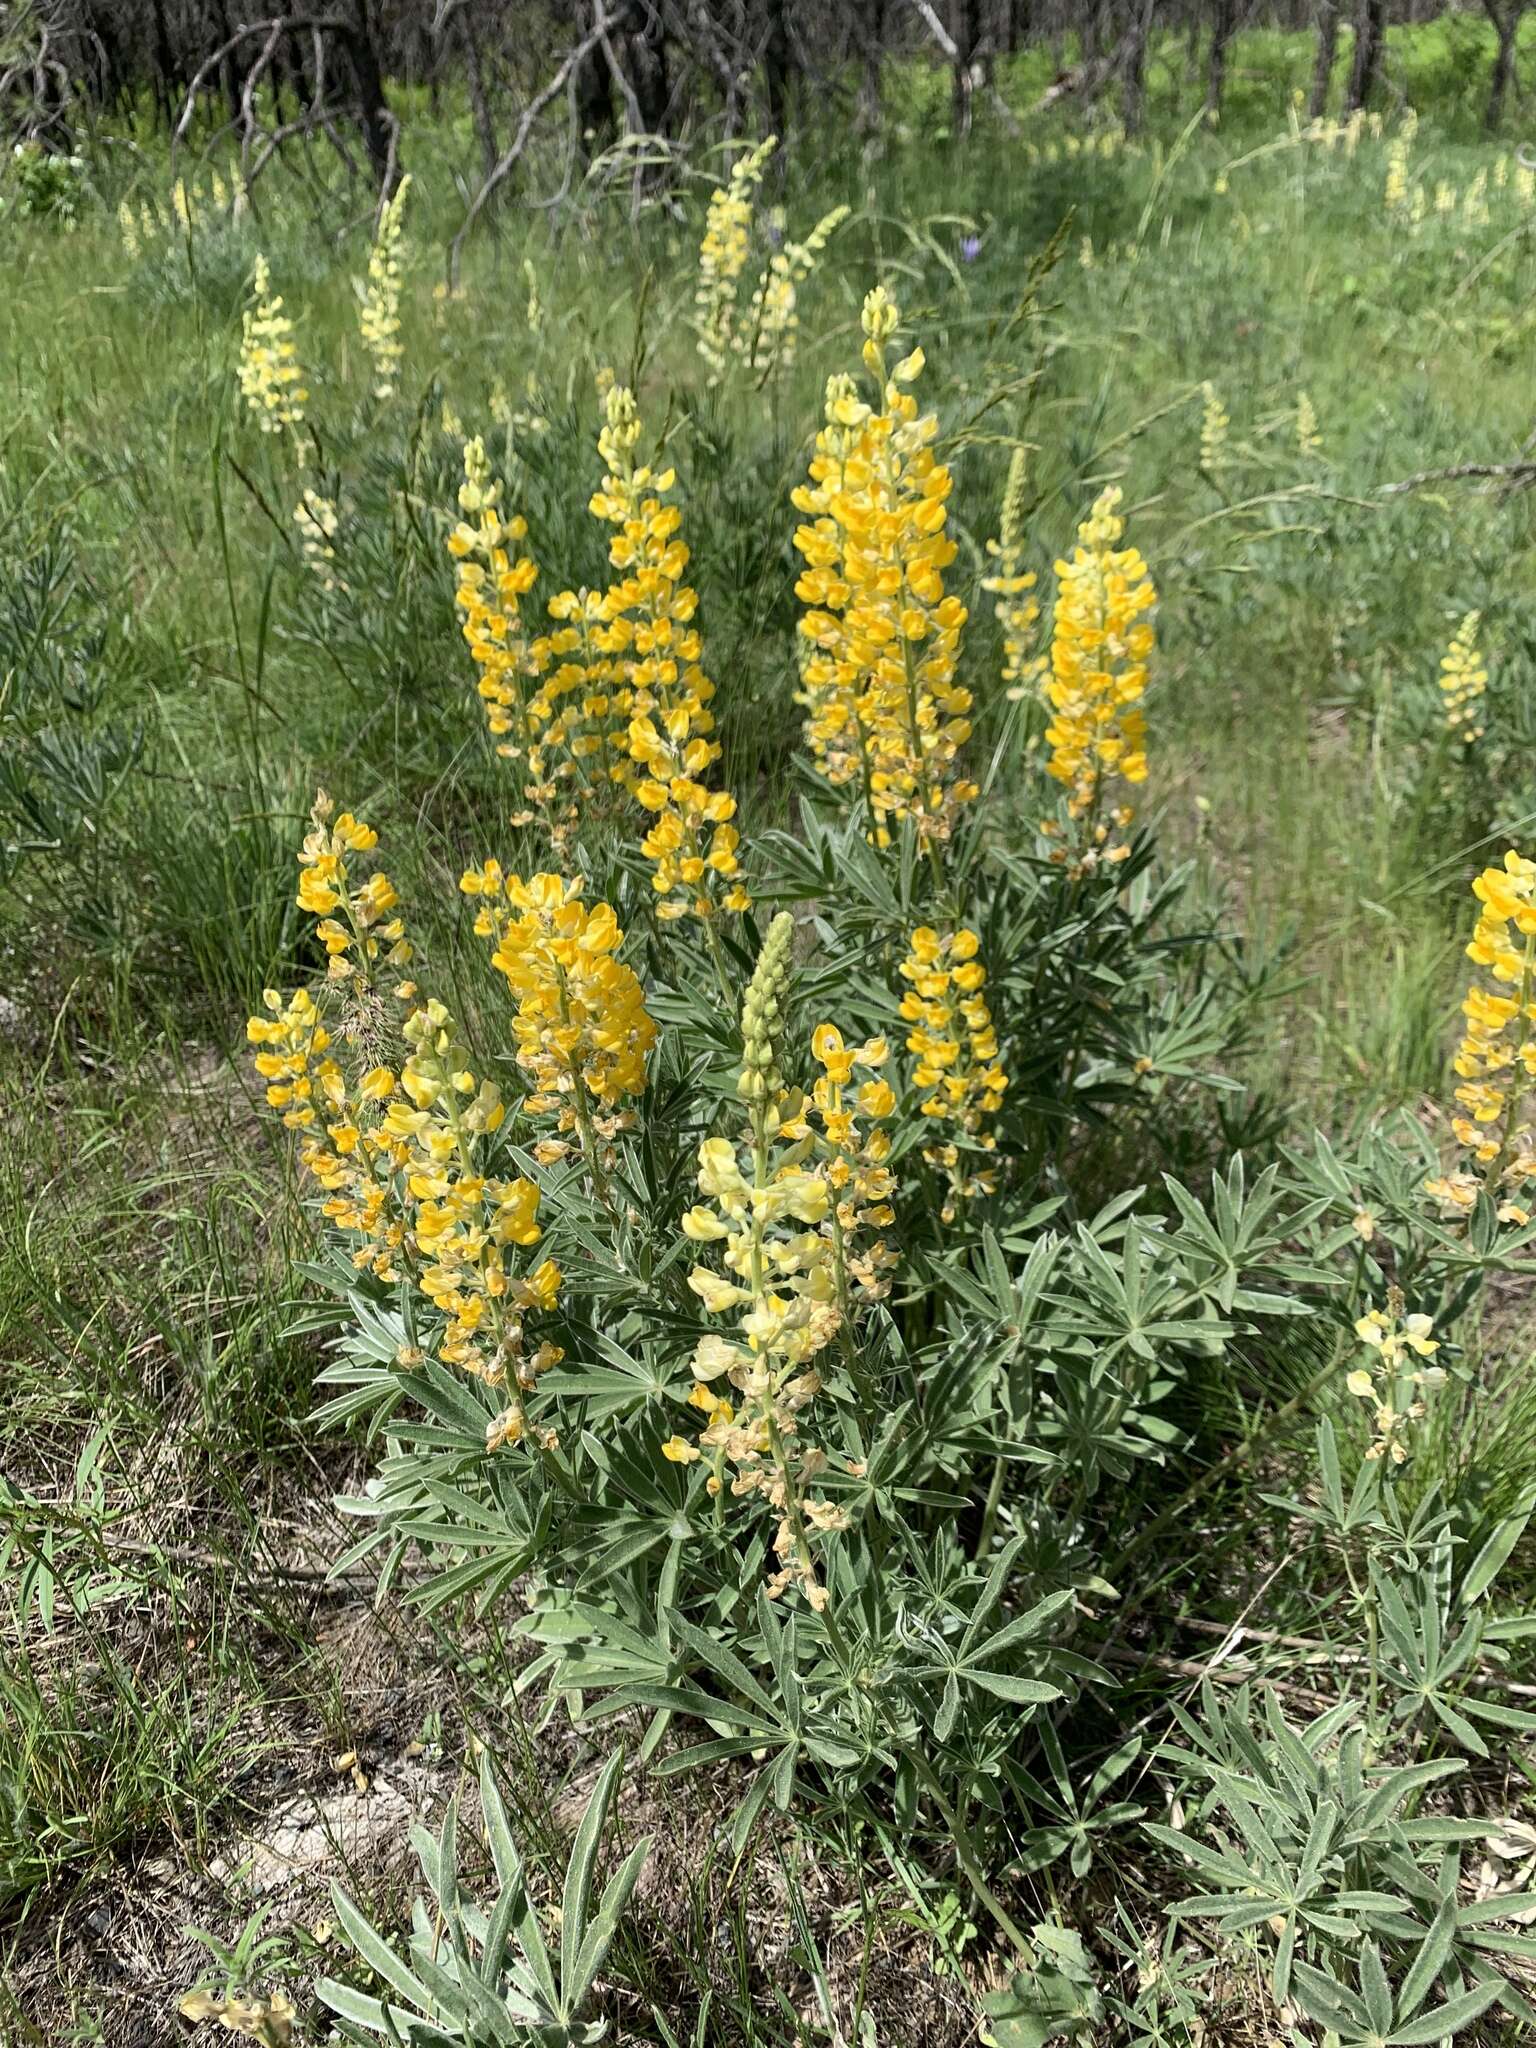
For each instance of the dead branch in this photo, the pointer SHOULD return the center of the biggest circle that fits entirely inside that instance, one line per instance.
(1516, 476)
(508, 162)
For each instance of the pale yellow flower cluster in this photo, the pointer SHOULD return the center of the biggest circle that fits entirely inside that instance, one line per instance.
(762, 1216)
(379, 319)
(317, 519)
(1391, 1382)
(1214, 422)
(1464, 682)
(723, 255)
(769, 336)
(271, 379)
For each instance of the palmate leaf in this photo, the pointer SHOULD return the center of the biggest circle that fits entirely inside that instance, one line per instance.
(973, 1662)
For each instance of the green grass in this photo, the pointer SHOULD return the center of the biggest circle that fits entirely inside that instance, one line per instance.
(174, 685)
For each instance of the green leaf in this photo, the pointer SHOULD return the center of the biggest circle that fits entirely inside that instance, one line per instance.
(1448, 2018)
(377, 1953)
(599, 1936)
(578, 1874)
(1375, 1989)
(745, 1817)
(1430, 1960)
(1024, 1692)
(724, 1663)
(1029, 1625)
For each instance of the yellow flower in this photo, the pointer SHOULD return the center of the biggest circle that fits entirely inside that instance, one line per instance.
(852, 1158)
(954, 1043)
(1214, 422)
(1463, 682)
(317, 519)
(398, 1156)
(647, 625)
(769, 336)
(582, 1030)
(357, 927)
(772, 1223)
(1496, 1059)
(379, 320)
(1393, 1384)
(723, 255)
(1101, 641)
(885, 711)
(493, 576)
(271, 380)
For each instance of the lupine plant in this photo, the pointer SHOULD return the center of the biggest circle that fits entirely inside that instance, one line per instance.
(747, 1283)
(782, 1365)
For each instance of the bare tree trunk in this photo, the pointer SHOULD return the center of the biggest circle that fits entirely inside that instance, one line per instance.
(1327, 51)
(870, 95)
(1370, 28)
(778, 68)
(474, 78)
(1134, 64)
(962, 30)
(229, 76)
(642, 50)
(374, 118)
(593, 87)
(1224, 21)
(165, 62)
(1506, 24)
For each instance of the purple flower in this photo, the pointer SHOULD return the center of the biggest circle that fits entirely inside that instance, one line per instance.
(775, 234)
(970, 248)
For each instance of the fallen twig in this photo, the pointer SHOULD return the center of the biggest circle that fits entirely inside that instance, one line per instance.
(1517, 475)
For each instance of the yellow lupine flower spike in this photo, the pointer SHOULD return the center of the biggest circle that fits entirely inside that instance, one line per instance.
(723, 255)
(1464, 682)
(397, 1155)
(1391, 1382)
(582, 1030)
(1101, 642)
(885, 708)
(379, 320)
(494, 575)
(1496, 1060)
(359, 926)
(764, 1221)
(769, 336)
(648, 626)
(954, 1043)
(271, 379)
